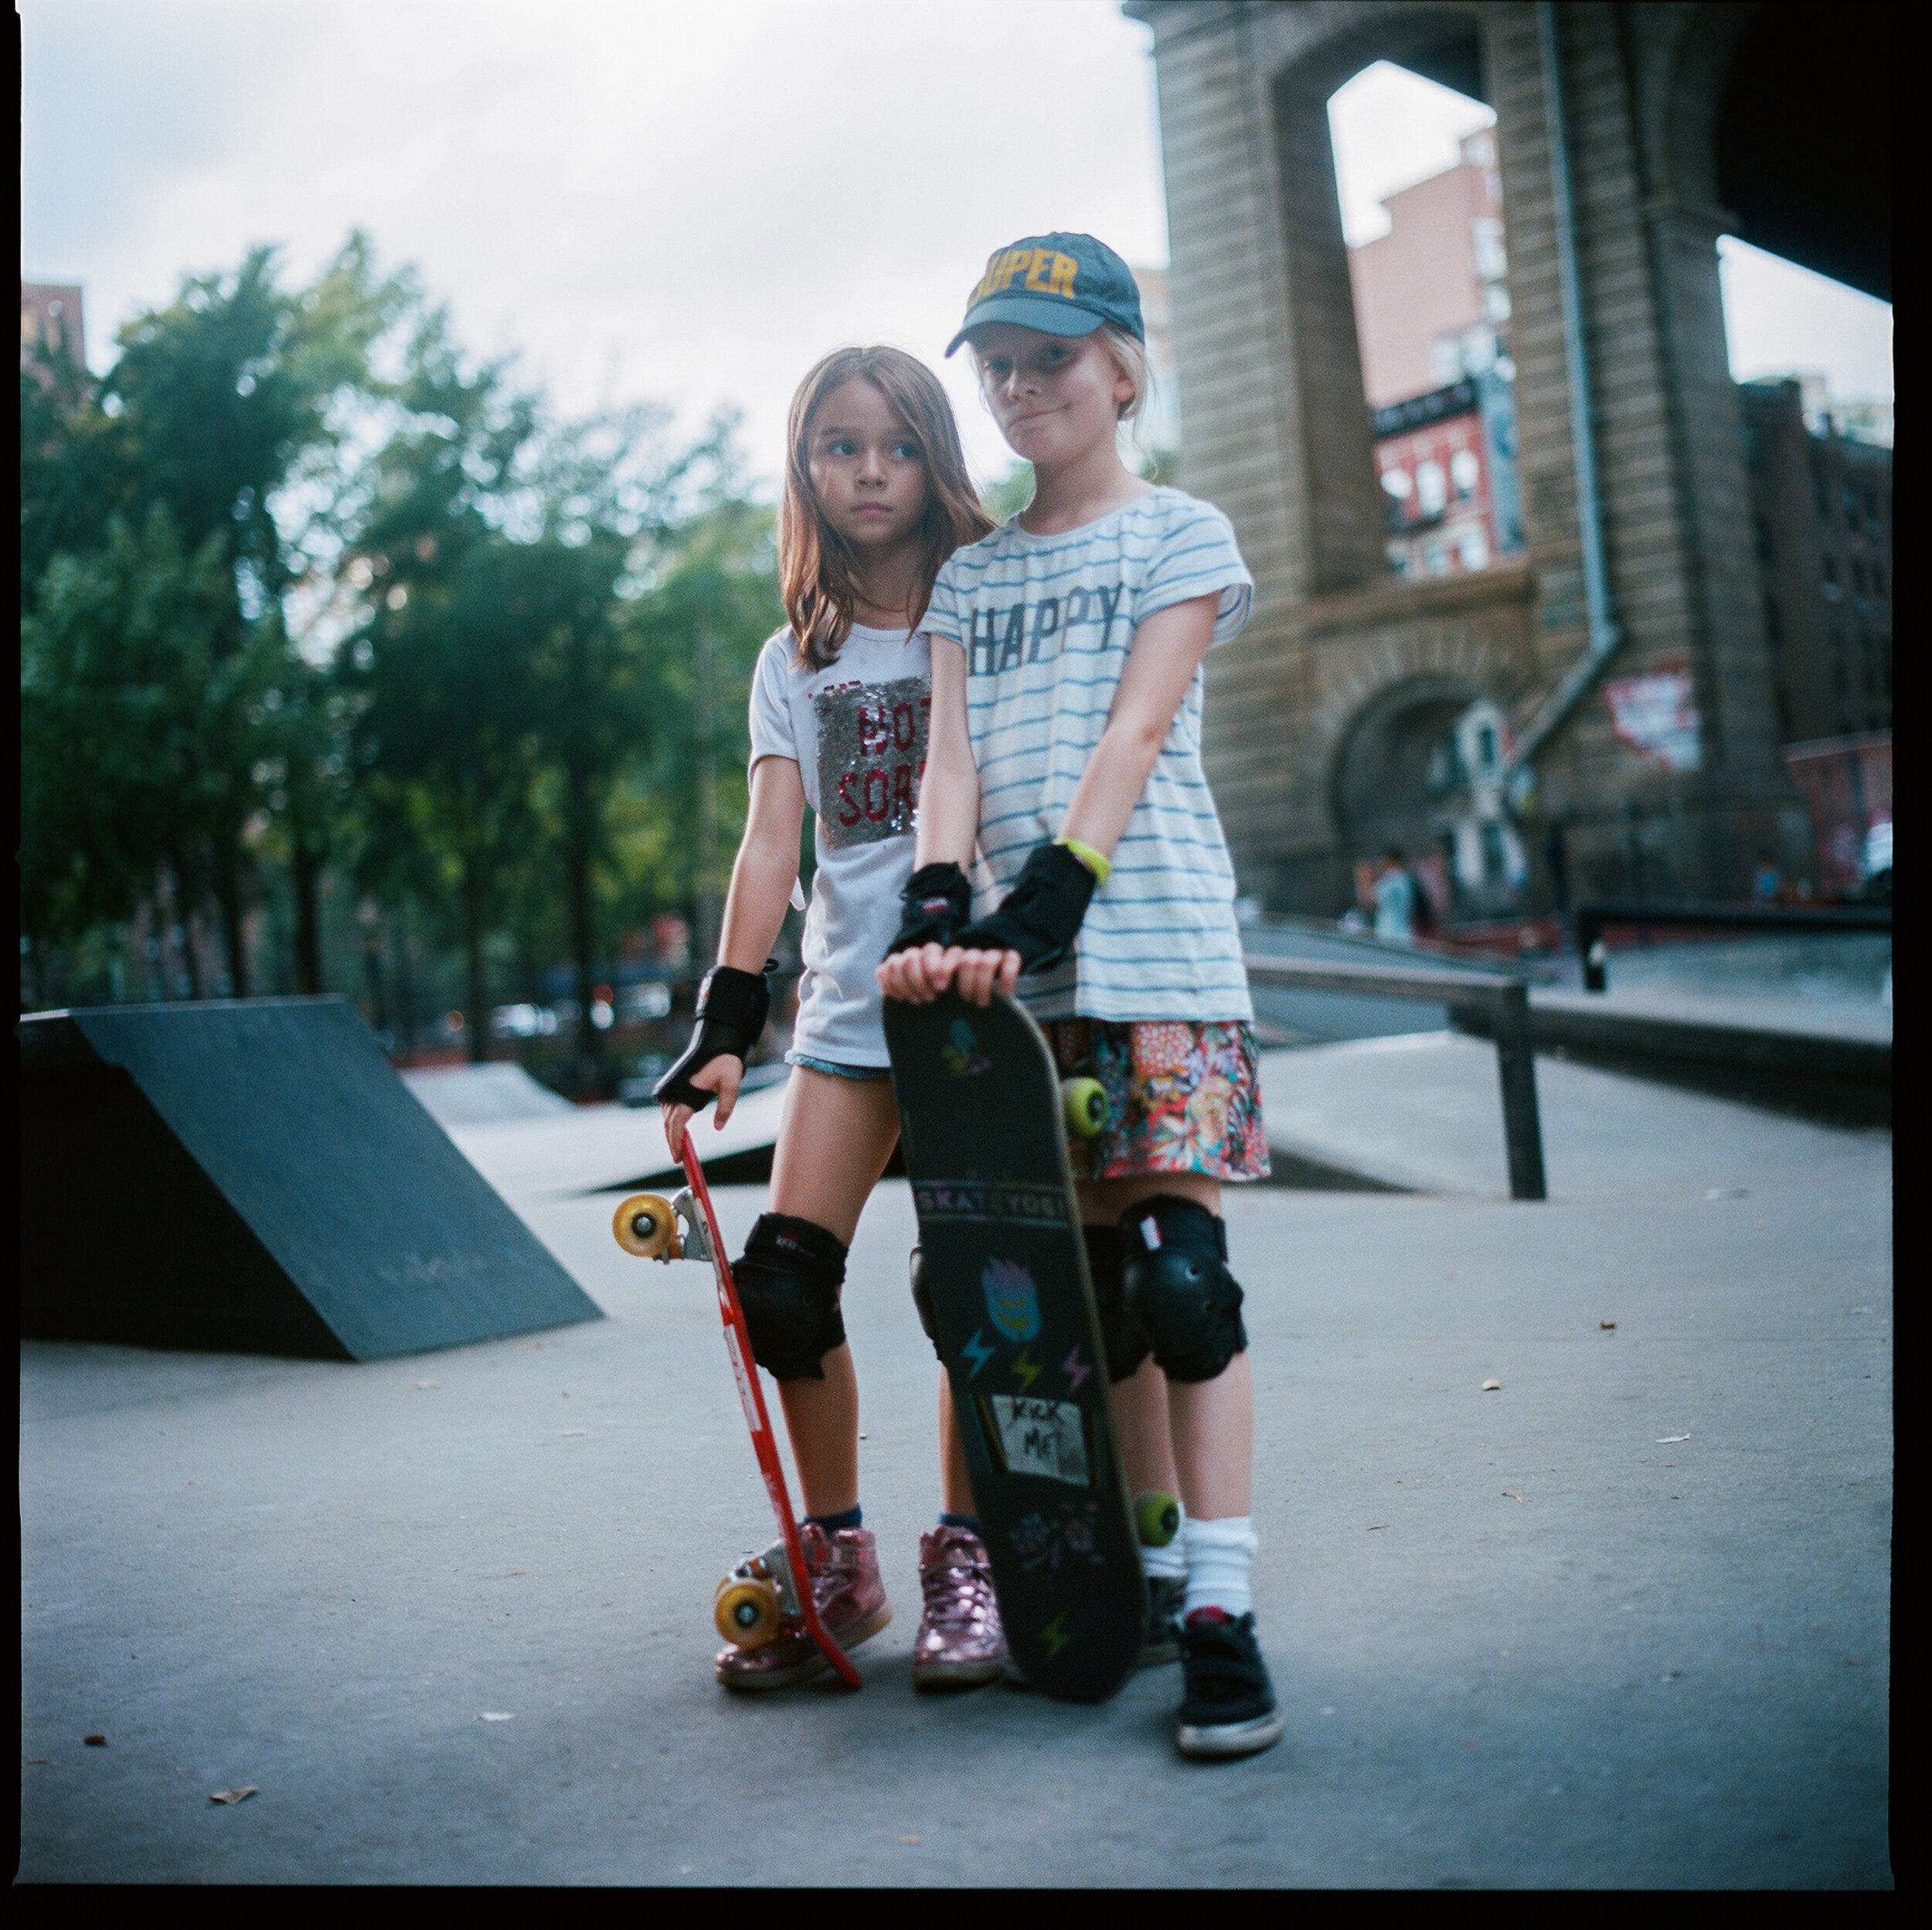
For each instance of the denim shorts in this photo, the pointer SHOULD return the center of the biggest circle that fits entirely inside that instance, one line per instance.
(837, 1072)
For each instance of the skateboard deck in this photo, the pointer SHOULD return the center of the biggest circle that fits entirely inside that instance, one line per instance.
(983, 1133)
(761, 1596)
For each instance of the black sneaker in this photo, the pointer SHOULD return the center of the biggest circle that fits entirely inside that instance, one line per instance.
(1165, 1593)
(1228, 1708)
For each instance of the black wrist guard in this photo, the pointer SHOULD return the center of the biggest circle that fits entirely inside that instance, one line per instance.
(1040, 915)
(938, 901)
(732, 1006)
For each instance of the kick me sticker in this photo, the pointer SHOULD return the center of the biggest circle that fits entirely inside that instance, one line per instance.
(1038, 1437)
(871, 751)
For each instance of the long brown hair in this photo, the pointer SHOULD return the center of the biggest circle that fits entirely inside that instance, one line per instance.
(815, 563)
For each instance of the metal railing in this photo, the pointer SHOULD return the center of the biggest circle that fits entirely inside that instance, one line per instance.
(1592, 921)
(1506, 1000)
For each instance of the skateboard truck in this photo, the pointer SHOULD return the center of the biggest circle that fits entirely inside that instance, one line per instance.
(757, 1598)
(693, 1241)
(654, 1229)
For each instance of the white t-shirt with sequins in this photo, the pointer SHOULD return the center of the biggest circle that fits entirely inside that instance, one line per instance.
(857, 731)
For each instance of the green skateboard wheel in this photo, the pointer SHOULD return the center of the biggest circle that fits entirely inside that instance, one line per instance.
(1158, 1517)
(1085, 1101)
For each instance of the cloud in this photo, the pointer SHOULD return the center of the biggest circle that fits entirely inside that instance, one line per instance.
(686, 202)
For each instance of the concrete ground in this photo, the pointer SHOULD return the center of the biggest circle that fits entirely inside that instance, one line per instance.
(1621, 1621)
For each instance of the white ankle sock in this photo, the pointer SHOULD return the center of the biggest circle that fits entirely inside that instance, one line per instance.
(1219, 1555)
(1170, 1561)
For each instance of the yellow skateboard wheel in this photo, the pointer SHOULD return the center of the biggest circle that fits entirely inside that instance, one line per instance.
(645, 1226)
(1085, 1102)
(1157, 1516)
(746, 1612)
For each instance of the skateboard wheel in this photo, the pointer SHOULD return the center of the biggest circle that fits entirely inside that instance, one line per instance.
(645, 1226)
(1085, 1101)
(746, 1612)
(1158, 1518)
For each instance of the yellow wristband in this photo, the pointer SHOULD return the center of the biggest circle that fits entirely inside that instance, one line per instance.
(1101, 867)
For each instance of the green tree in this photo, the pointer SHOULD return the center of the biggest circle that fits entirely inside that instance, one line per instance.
(219, 405)
(447, 733)
(701, 626)
(138, 709)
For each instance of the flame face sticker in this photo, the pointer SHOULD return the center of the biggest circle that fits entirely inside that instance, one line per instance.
(1011, 1299)
(962, 1055)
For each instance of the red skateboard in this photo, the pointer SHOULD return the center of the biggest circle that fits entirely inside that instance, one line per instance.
(760, 1597)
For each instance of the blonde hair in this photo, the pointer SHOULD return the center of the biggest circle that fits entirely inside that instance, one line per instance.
(1129, 354)
(815, 563)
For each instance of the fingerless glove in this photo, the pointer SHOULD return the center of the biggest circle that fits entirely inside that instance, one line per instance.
(732, 1006)
(938, 901)
(1039, 917)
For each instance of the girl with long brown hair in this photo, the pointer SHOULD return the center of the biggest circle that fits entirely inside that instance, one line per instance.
(876, 497)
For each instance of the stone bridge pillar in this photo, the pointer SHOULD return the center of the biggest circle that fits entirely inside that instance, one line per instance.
(1348, 671)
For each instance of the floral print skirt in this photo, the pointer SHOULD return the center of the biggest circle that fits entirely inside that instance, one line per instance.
(1182, 1096)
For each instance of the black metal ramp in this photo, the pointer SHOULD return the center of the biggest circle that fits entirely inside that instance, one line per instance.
(252, 1177)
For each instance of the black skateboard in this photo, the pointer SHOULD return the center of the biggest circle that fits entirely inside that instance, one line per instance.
(984, 1119)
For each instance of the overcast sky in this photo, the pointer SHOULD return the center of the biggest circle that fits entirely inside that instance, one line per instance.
(661, 198)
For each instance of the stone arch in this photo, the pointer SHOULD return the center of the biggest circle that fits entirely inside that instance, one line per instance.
(1342, 502)
(1378, 787)
(1418, 766)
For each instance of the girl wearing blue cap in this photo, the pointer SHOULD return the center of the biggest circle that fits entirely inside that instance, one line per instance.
(876, 496)
(1067, 677)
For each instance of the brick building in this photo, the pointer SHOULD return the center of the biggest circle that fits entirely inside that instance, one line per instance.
(1432, 325)
(1627, 140)
(1432, 295)
(51, 319)
(1821, 516)
(1446, 463)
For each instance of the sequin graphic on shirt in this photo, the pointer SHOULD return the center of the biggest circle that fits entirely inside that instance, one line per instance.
(872, 754)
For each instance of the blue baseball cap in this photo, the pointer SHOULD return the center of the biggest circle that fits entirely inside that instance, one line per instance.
(1060, 285)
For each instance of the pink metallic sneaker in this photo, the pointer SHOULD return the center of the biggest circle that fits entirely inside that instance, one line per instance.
(960, 1642)
(851, 1599)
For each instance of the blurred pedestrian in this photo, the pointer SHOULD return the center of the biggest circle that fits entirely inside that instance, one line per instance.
(1080, 628)
(876, 497)
(1398, 898)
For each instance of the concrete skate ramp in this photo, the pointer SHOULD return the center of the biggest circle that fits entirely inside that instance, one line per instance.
(480, 1095)
(252, 1177)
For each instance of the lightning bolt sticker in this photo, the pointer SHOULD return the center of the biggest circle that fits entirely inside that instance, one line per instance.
(1075, 1371)
(1054, 1636)
(1026, 1373)
(978, 1353)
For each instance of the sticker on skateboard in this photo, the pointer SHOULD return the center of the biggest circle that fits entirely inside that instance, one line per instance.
(984, 1116)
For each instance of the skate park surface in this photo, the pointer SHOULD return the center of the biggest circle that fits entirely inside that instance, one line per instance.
(1620, 1621)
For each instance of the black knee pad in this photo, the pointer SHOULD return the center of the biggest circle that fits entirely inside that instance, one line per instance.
(1178, 1289)
(923, 1298)
(1121, 1334)
(788, 1282)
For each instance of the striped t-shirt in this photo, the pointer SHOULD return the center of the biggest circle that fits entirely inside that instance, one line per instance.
(1046, 622)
